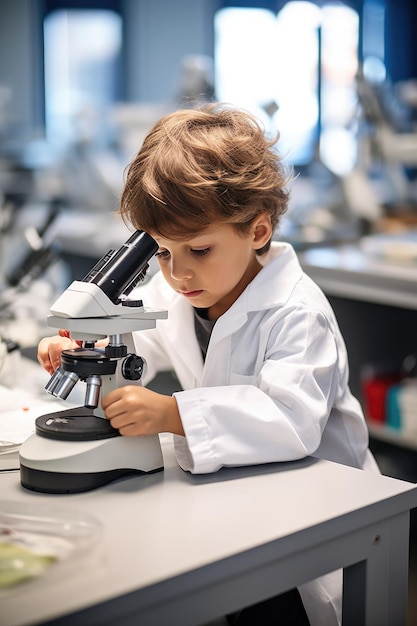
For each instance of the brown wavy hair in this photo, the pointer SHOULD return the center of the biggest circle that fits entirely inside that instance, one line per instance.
(202, 166)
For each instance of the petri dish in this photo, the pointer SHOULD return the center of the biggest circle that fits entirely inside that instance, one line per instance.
(37, 540)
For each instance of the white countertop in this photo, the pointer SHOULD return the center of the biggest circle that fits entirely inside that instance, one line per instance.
(352, 271)
(159, 526)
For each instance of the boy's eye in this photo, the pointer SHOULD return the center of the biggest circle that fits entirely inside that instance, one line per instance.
(165, 254)
(162, 254)
(200, 252)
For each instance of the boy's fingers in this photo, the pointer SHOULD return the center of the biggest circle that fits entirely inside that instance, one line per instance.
(66, 333)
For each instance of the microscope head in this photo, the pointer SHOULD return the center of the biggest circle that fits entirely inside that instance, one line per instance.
(98, 307)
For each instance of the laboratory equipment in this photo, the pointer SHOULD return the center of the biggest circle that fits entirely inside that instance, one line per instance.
(77, 449)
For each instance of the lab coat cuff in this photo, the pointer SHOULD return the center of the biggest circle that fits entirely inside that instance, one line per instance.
(194, 452)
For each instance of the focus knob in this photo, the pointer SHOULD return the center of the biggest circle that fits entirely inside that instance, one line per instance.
(132, 367)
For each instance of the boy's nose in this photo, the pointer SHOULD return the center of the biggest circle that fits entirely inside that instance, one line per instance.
(180, 271)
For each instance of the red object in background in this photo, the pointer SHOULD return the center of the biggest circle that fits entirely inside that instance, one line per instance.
(375, 395)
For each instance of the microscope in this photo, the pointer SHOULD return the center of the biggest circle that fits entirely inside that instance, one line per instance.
(77, 450)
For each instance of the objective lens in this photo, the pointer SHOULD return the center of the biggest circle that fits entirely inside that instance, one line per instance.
(66, 384)
(92, 393)
(53, 382)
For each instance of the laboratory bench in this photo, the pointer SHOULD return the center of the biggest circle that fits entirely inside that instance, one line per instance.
(351, 271)
(174, 548)
(375, 301)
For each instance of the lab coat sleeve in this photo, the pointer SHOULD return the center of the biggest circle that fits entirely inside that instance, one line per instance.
(275, 414)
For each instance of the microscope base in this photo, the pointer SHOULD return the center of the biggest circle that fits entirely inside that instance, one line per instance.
(60, 482)
(58, 466)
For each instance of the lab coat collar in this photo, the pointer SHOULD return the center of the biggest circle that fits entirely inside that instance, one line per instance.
(271, 287)
(274, 284)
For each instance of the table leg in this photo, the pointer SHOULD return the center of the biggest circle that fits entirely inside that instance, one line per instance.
(376, 589)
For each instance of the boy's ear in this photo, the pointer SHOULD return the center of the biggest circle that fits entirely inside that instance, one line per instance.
(262, 230)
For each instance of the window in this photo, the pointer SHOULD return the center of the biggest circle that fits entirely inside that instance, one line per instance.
(82, 49)
(296, 71)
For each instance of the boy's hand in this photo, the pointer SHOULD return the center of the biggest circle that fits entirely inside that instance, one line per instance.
(135, 410)
(50, 348)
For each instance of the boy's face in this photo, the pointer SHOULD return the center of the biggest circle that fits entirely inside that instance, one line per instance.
(211, 269)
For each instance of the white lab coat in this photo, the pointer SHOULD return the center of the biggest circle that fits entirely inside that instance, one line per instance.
(274, 386)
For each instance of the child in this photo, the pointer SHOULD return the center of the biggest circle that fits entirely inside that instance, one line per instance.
(253, 341)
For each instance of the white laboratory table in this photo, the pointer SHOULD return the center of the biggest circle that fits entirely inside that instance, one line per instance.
(351, 271)
(182, 550)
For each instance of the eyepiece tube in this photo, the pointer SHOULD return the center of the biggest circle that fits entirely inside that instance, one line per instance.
(118, 271)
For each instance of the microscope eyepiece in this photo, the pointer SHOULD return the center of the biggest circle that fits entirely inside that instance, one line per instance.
(118, 272)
